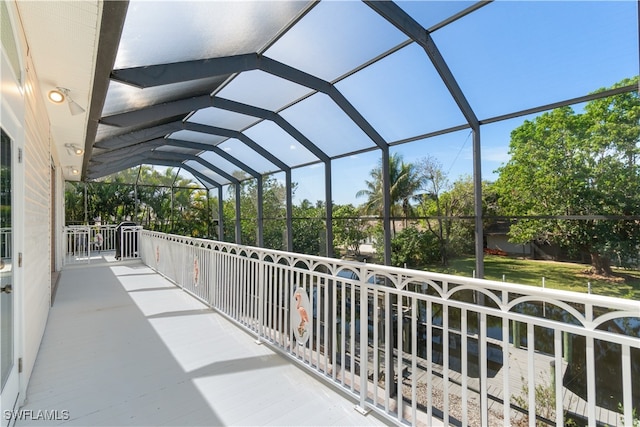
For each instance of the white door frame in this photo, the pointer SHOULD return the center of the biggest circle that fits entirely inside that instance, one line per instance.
(12, 121)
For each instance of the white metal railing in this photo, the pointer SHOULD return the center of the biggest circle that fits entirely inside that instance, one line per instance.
(5, 242)
(454, 348)
(85, 242)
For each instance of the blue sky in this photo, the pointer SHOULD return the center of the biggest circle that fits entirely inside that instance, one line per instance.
(506, 57)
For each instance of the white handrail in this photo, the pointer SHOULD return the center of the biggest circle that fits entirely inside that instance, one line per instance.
(434, 337)
(84, 243)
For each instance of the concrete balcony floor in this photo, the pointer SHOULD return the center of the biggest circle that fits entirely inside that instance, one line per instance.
(123, 346)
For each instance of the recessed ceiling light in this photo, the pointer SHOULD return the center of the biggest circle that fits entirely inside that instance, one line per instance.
(56, 96)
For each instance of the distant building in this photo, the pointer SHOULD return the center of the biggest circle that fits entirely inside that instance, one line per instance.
(496, 238)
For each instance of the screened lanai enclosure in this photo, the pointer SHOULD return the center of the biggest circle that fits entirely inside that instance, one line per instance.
(520, 114)
(319, 93)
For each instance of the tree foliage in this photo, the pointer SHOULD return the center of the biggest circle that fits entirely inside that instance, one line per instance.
(403, 183)
(574, 176)
(583, 167)
(349, 228)
(165, 202)
(411, 247)
(273, 209)
(433, 182)
(309, 229)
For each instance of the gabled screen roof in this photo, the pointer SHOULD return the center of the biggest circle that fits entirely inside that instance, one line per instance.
(228, 88)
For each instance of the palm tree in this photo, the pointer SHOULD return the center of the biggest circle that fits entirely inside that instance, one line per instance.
(403, 183)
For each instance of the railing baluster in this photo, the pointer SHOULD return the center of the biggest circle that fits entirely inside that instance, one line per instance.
(399, 355)
(278, 287)
(352, 336)
(591, 381)
(245, 289)
(506, 391)
(531, 374)
(327, 324)
(430, 362)
(211, 278)
(627, 386)
(482, 361)
(388, 350)
(343, 319)
(376, 348)
(315, 307)
(414, 360)
(334, 332)
(463, 364)
(257, 292)
(557, 375)
(364, 348)
(445, 364)
(261, 300)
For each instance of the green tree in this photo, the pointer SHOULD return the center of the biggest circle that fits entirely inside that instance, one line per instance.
(192, 214)
(577, 165)
(411, 247)
(273, 208)
(109, 201)
(349, 229)
(159, 199)
(433, 182)
(166, 202)
(74, 202)
(403, 183)
(229, 218)
(446, 205)
(309, 228)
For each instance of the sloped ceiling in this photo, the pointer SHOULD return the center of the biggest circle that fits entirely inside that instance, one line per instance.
(62, 39)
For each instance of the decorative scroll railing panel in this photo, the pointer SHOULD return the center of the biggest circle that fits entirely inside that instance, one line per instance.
(456, 349)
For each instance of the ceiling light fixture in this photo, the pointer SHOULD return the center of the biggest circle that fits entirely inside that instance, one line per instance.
(56, 96)
(59, 94)
(73, 170)
(74, 149)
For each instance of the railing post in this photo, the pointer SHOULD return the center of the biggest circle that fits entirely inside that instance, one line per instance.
(138, 241)
(120, 234)
(261, 278)
(627, 395)
(268, 282)
(89, 243)
(482, 360)
(65, 237)
(591, 381)
(182, 264)
(211, 279)
(558, 384)
(364, 354)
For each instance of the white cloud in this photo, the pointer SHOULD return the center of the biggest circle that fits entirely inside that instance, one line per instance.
(496, 154)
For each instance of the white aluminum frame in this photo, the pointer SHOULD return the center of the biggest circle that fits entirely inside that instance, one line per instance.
(84, 243)
(253, 287)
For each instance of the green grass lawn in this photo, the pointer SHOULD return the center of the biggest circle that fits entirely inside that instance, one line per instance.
(557, 275)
